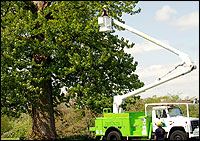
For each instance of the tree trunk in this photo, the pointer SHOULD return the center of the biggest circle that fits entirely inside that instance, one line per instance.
(43, 123)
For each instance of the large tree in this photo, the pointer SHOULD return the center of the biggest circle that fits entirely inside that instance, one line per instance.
(48, 45)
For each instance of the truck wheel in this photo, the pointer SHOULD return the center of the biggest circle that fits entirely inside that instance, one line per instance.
(178, 135)
(114, 135)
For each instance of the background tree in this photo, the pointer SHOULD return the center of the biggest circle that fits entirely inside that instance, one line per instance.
(47, 45)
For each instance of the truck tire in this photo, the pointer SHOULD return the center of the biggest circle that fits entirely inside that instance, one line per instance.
(178, 135)
(114, 135)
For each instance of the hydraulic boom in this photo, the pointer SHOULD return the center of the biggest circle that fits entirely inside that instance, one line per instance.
(186, 66)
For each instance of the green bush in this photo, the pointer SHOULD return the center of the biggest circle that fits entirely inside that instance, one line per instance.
(5, 125)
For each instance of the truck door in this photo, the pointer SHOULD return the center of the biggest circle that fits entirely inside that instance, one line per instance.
(159, 115)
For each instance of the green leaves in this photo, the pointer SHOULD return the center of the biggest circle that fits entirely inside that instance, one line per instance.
(62, 43)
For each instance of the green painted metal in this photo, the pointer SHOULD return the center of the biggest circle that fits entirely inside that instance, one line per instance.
(131, 124)
(150, 129)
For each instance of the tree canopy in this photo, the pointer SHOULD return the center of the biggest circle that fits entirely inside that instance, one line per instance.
(61, 43)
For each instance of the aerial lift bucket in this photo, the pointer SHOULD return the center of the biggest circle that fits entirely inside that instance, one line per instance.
(105, 23)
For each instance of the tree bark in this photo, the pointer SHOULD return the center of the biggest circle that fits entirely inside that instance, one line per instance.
(43, 123)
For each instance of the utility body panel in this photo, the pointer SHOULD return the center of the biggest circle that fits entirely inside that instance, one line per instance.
(132, 124)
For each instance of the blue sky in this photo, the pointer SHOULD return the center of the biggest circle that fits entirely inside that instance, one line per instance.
(175, 23)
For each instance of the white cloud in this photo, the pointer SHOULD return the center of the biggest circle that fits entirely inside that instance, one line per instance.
(151, 73)
(185, 22)
(143, 47)
(188, 21)
(155, 71)
(164, 13)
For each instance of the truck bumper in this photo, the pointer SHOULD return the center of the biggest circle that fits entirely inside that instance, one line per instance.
(195, 133)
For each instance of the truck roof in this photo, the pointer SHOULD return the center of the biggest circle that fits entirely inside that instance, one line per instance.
(190, 102)
(182, 101)
(169, 103)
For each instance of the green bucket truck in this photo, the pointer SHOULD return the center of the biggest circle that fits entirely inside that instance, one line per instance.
(142, 125)
(117, 125)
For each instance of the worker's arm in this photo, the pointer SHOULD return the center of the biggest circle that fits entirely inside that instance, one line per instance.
(155, 138)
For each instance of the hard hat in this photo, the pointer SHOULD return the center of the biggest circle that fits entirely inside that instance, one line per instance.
(105, 6)
(159, 123)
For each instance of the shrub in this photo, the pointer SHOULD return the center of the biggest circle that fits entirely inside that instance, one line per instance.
(5, 125)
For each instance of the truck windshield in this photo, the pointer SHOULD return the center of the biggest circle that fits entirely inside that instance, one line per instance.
(173, 112)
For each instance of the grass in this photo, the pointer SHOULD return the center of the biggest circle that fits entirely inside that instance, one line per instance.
(20, 127)
(63, 138)
(9, 138)
(79, 137)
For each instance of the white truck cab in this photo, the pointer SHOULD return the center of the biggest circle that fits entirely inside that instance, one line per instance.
(177, 126)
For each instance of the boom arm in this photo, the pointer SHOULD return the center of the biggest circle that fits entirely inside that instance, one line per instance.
(187, 65)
